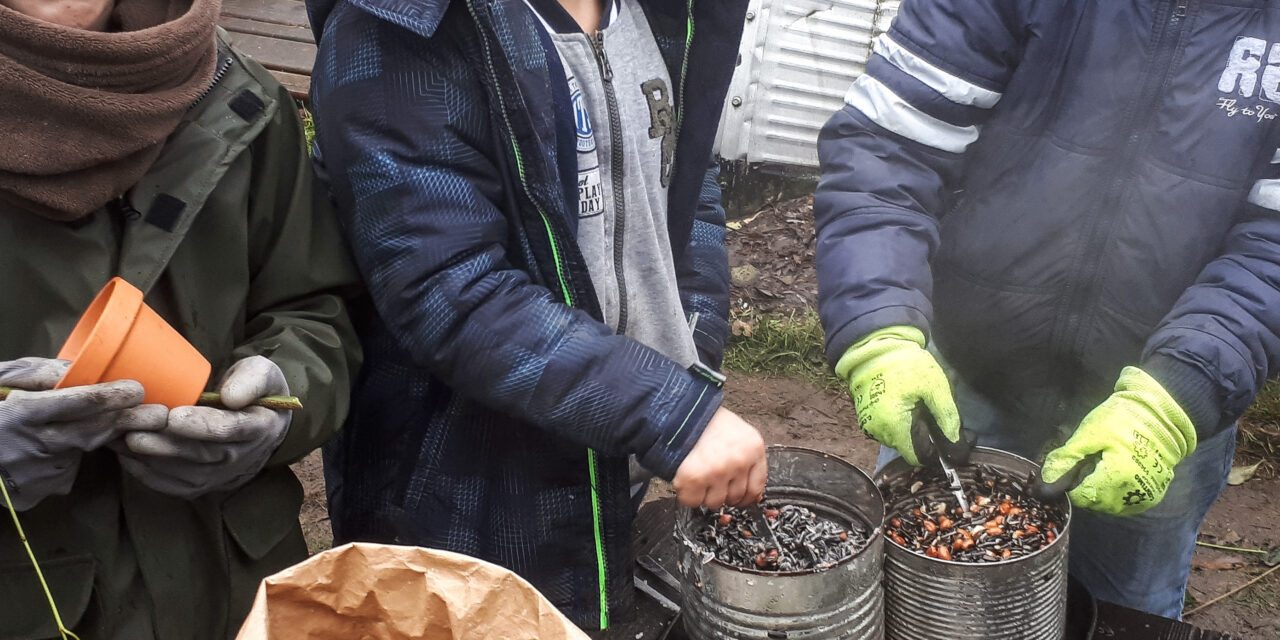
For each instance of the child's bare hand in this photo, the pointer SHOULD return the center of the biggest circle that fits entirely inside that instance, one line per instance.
(726, 466)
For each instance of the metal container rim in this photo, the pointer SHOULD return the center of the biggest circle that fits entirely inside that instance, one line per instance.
(877, 528)
(999, 564)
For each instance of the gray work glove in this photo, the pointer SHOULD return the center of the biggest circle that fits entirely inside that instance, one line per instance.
(43, 433)
(203, 449)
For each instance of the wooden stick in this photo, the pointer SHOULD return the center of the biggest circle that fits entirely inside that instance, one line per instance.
(1233, 591)
(278, 403)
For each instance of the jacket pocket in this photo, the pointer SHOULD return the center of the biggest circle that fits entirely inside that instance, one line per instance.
(26, 610)
(260, 515)
(262, 521)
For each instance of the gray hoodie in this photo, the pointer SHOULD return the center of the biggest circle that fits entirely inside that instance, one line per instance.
(623, 104)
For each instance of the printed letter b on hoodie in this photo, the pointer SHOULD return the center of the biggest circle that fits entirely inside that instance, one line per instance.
(894, 96)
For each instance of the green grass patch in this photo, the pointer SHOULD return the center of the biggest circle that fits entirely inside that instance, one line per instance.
(1266, 406)
(1259, 437)
(782, 347)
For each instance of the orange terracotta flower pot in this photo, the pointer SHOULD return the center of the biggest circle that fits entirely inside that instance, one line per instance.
(121, 338)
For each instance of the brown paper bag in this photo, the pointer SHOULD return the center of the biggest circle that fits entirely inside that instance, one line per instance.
(384, 592)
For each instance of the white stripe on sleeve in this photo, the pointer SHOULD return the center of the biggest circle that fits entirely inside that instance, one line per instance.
(1266, 193)
(889, 110)
(955, 89)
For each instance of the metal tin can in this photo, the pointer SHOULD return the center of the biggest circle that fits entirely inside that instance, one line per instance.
(1024, 597)
(724, 602)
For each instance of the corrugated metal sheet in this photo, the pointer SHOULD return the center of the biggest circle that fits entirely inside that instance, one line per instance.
(796, 61)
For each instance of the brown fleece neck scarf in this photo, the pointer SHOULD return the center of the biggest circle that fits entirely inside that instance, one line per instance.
(84, 114)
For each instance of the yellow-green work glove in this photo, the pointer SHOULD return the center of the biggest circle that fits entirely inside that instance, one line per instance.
(1137, 435)
(889, 372)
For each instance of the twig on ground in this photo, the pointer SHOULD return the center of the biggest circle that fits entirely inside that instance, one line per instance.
(1225, 548)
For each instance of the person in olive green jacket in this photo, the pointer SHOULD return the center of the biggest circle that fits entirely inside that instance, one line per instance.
(134, 143)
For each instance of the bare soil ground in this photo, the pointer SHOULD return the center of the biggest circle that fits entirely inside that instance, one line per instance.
(315, 512)
(772, 258)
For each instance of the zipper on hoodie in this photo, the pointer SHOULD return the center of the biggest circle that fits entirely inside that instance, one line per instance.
(617, 177)
(1100, 224)
(684, 66)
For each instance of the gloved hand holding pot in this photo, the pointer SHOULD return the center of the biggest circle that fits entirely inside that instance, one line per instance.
(44, 432)
(185, 452)
(206, 449)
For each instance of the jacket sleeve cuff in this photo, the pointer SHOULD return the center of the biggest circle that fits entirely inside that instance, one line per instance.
(666, 454)
(1194, 391)
(838, 343)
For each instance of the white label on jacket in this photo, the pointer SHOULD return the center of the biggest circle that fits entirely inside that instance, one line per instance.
(1246, 76)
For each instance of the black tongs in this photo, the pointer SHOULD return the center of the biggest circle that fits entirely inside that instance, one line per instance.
(930, 444)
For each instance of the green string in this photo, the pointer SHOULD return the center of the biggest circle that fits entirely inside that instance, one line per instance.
(66, 633)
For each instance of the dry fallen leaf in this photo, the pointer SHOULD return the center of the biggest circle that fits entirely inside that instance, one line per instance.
(741, 328)
(734, 225)
(1216, 561)
(1239, 475)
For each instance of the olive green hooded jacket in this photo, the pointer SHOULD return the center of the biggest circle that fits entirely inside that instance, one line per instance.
(224, 237)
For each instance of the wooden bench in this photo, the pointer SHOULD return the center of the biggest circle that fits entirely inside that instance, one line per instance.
(276, 34)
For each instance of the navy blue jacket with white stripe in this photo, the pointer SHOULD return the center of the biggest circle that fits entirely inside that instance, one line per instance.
(1056, 190)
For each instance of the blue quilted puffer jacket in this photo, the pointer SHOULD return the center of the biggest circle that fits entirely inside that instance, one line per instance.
(1094, 184)
(495, 411)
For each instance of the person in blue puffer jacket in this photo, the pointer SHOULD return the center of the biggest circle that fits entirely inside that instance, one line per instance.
(525, 186)
(1076, 206)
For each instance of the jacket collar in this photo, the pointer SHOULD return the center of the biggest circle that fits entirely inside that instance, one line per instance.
(216, 131)
(419, 16)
